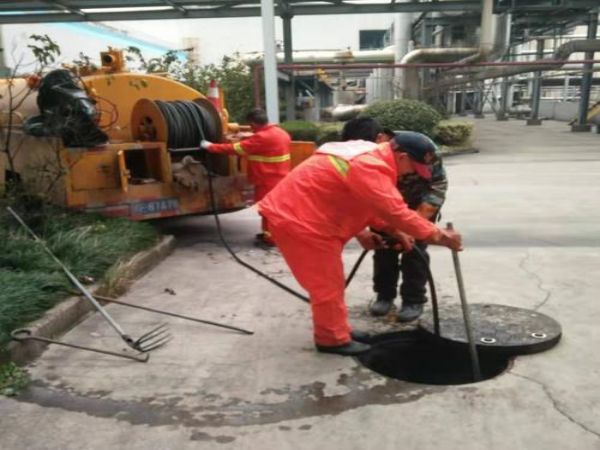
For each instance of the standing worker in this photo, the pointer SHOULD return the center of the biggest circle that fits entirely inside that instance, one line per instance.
(425, 193)
(334, 196)
(267, 151)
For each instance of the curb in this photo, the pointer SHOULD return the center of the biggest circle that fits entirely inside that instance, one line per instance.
(69, 312)
(466, 151)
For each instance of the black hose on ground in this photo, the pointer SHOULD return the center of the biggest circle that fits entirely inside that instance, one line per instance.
(195, 121)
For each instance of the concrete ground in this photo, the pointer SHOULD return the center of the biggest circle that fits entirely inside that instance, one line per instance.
(527, 207)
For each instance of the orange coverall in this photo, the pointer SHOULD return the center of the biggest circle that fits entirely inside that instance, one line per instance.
(268, 155)
(322, 204)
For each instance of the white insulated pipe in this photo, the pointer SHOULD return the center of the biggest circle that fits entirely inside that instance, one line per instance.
(270, 59)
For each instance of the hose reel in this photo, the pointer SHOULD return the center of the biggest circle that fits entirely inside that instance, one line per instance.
(181, 124)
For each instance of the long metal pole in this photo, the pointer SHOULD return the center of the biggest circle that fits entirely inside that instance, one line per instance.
(466, 314)
(270, 60)
(167, 313)
(24, 334)
(586, 79)
(290, 91)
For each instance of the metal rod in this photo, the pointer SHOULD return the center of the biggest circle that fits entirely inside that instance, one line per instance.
(73, 278)
(24, 334)
(549, 62)
(166, 313)
(466, 314)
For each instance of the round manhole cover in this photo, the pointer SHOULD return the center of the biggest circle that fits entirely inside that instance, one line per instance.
(497, 327)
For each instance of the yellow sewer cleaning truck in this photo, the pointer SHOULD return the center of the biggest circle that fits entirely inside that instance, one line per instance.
(121, 143)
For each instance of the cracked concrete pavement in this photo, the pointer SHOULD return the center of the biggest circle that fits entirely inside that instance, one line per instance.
(526, 206)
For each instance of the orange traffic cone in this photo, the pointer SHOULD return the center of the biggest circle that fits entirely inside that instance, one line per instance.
(213, 95)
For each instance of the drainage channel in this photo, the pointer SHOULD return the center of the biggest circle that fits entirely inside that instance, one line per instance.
(501, 332)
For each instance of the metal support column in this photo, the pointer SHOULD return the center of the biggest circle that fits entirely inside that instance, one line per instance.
(270, 59)
(290, 92)
(503, 110)
(586, 79)
(463, 103)
(479, 99)
(537, 89)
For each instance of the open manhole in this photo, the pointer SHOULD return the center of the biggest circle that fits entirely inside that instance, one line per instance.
(415, 357)
(500, 333)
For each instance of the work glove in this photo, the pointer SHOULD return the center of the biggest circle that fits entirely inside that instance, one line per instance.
(205, 144)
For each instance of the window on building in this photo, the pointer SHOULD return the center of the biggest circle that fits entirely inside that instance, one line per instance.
(371, 39)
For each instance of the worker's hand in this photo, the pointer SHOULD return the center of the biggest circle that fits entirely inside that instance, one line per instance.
(369, 240)
(205, 145)
(403, 242)
(426, 210)
(447, 238)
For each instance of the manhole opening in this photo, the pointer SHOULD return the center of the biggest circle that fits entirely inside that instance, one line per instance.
(410, 356)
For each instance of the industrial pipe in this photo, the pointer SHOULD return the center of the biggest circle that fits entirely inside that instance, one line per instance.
(559, 59)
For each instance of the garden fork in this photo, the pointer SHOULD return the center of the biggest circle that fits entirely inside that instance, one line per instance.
(157, 337)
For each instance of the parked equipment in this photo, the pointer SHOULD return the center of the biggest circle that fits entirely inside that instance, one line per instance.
(111, 142)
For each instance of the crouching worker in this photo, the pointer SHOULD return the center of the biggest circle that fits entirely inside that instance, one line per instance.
(424, 191)
(330, 198)
(268, 155)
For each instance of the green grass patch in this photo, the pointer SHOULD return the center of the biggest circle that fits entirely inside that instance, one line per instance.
(31, 282)
(12, 379)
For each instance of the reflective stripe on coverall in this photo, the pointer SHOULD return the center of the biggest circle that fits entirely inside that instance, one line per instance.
(322, 204)
(268, 155)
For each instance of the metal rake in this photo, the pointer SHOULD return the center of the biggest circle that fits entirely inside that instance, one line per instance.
(153, 339)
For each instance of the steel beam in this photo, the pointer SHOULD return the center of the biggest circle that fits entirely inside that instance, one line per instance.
(33, 14)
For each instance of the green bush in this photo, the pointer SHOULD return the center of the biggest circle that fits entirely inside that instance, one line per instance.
(301, 130)
(329, 132)
(453, 132)
(404, 114)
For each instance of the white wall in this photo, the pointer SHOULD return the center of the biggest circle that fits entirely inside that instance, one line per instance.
(220, 37)
(73, 38)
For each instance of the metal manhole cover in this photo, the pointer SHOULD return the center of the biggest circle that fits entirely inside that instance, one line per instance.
(497, 327)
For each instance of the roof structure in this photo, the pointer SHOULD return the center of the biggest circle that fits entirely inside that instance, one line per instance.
(37, 11)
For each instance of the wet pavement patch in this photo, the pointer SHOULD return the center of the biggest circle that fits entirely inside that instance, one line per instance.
(412, 356)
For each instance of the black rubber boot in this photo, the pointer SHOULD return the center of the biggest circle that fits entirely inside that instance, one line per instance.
(381, 306)
(352, 348)
(360, 336)
(410, 312)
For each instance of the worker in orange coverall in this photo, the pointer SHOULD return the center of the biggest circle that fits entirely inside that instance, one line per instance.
(268, 153)
(335, 195)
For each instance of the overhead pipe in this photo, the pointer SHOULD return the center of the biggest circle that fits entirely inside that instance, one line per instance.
(558, 60)
(411, 82)
(328, 56)
(494, 38)
(494, 34)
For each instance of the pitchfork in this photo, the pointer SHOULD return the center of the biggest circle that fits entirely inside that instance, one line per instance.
(157, 337)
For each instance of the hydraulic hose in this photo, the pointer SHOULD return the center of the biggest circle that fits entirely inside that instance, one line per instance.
(196, 122)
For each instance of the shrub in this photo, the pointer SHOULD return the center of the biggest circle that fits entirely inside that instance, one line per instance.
(329, 132)
(404, 114)
(453, 132)
(301, 130)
